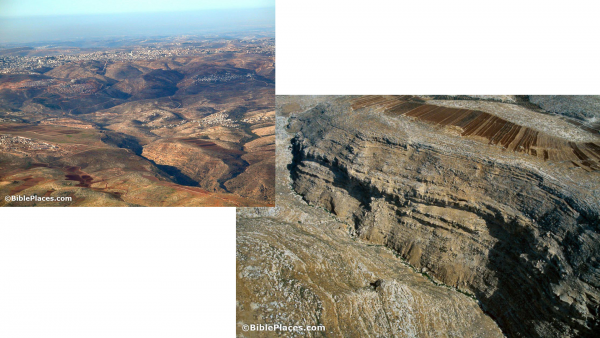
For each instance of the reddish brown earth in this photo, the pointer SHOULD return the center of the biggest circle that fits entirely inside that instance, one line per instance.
(493, 129)
(99, 129)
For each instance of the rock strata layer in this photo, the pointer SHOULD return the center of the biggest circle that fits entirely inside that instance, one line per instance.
(297, 264)
(503, 211)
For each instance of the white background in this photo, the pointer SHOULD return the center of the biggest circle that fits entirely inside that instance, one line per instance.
(170, 272)
(116, 272)
(438, 47)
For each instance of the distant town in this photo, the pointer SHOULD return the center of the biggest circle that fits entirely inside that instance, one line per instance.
(10, 64)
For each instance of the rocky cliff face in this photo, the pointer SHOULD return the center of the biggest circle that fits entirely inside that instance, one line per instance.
(299, 265)
(476, 194)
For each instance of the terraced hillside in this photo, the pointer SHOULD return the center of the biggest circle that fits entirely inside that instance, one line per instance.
(492, 129)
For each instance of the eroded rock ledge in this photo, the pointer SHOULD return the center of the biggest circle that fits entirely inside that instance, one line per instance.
(296, 264)
(519, 232)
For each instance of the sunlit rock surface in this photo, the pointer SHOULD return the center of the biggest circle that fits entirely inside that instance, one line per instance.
(499, 199)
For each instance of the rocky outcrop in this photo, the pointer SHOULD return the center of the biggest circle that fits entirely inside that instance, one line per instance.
(297, 264)
(518, 231)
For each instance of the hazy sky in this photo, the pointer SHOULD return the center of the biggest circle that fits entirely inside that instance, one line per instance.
(18, 8)
(75, 27)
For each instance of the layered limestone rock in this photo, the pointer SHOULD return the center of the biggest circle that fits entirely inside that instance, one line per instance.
(496, 219)
(300, 265)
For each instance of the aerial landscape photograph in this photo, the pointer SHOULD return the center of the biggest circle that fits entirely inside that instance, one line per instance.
(411, 169)
(164, 108)
(426, 216)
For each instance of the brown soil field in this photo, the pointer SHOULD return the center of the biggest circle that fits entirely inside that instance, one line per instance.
(493, 129)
